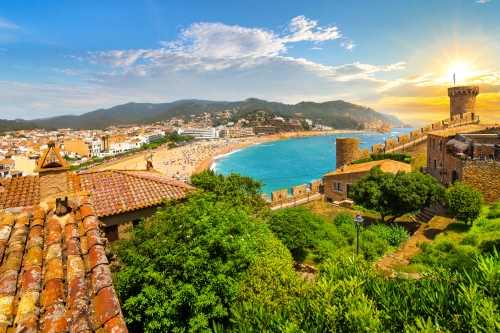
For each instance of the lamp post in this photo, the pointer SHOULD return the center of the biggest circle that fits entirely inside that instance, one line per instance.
(359, 222)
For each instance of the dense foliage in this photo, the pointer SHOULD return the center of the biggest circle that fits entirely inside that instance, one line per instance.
(464, 202)
(386, 156)
(393, 195)
(351, 296)
(182, 267)
(304, 233)
(240, 190)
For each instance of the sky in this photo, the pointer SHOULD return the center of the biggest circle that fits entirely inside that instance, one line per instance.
(397, 57)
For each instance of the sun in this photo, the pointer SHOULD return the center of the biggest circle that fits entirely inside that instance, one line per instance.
(460, 70)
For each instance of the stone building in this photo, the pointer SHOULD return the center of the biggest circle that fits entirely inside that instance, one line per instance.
(336, 184)
(466, 153)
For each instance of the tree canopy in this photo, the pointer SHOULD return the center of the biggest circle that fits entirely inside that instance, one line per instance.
(393, 195)
(240, 190)
(464, 202)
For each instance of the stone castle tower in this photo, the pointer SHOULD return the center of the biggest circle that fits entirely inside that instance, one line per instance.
(347, 149)
(462, 99)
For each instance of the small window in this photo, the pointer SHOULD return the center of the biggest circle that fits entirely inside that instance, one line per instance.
(337, 186)
(434, 164)
(112, 233)
(136, 222)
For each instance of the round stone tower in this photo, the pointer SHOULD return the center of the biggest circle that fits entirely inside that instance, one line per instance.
(462, 99)
(347, 150)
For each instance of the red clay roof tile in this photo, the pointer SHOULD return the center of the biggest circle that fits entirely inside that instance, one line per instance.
(32, 279)
(101, 278)
(79, 315)
(106, 305)
(96, 256)
(53, 270)
(53, 293)
(8, 283)
(77, 290)
(55, 319)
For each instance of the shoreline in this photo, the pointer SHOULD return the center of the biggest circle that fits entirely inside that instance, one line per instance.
(207, 163)
(181, 162)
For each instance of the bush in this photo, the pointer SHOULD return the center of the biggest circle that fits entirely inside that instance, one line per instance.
(445, 246)
(494, 212)
(470, 239)
(393, 234)
(489, 246)
(363, 160)
(464, 202)
(407, 160)
(343, 218)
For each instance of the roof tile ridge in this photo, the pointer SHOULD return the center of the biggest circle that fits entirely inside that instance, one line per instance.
(28, 308)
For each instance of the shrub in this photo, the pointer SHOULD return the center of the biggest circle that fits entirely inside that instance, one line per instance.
(469, 240)
(363, 160)
(445, 246)
(407, 160)
(481, 222)
(489, 246)
(494, 212)
(464, 202)
(394, 234)
(343, 218)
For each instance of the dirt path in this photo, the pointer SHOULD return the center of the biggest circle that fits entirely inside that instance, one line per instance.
(405, 252)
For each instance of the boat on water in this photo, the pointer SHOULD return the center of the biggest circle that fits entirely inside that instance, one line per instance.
(362, 142)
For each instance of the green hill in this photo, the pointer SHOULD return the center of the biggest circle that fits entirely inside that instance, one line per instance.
(337, 114)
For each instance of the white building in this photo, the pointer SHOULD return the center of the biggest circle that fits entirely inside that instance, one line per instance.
(200, 133)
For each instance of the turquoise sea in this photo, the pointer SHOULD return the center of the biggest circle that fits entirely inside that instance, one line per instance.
(286, 163)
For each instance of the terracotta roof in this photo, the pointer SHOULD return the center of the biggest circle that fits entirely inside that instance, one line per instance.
(20, 191)
(385, 166)
(54, 274)
(7, 161)
(118, 191)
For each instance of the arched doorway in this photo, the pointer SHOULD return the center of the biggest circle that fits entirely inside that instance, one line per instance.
(454, 176)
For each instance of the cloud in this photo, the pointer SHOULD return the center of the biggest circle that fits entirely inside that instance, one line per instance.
(70, 71)
(304, 29)
(6, 24)
(117, 58)
(348, 45)
(482, 1)
(2, 49)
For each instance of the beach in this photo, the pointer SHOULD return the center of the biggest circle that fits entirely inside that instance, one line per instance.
(181, 162)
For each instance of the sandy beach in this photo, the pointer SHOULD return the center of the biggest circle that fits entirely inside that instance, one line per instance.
(181, 162)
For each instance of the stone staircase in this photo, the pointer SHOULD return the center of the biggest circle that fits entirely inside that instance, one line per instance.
(428, 213)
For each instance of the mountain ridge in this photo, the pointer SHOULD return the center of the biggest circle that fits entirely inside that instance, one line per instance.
(337, 114)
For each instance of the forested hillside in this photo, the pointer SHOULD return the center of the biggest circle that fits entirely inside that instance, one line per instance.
(337, 114)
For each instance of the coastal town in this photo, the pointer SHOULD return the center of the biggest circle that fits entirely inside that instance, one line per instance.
(247, 167)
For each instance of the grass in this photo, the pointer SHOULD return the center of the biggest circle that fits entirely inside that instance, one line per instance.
(459, 244)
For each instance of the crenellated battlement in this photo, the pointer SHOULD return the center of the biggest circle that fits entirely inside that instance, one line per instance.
(300, 195)
(348, 148)
(462, 99)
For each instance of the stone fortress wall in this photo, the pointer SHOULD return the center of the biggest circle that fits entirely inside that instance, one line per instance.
(300, 195)
(348, 148)
(462, 112)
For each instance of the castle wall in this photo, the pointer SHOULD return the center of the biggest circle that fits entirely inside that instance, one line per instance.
(279, 196)
(437, 126)
(426, 129)
(299, 191)
(484, 177)
(377, 148)
(403, 138)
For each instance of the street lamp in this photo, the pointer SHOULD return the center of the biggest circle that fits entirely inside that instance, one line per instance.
(359, 221)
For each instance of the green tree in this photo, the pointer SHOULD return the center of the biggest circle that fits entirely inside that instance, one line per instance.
(393, 195)
(182, 268)
(239, 190)
(464, 202)
(297, 228)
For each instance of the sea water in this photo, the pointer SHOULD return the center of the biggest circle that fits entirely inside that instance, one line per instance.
(290, 162)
